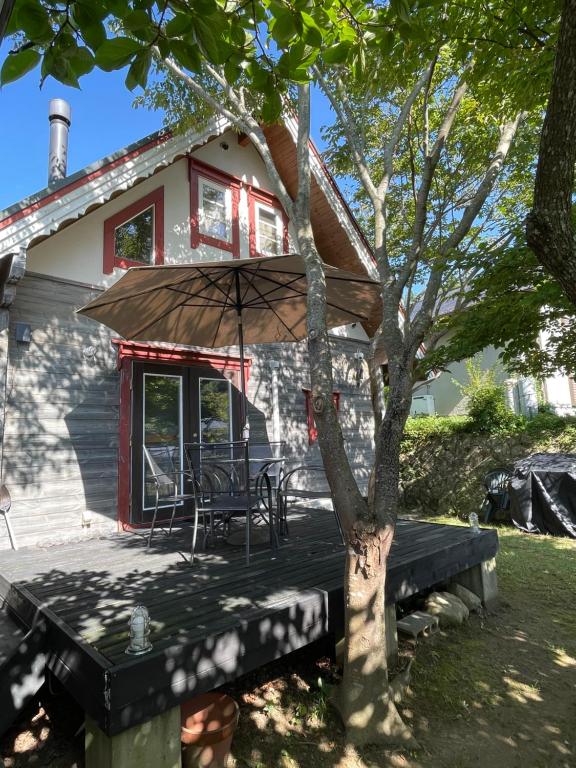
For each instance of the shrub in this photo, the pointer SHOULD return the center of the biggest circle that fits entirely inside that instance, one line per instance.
(422, 427)
(548, 421)
(487, 407)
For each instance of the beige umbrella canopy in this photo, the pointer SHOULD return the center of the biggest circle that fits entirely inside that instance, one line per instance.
(226, 303)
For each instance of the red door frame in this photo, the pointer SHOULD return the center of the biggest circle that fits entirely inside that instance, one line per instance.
(130, 352)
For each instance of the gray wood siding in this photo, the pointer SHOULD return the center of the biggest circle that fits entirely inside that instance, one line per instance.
(61, 430)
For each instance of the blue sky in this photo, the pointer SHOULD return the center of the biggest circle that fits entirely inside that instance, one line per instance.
(103, 121)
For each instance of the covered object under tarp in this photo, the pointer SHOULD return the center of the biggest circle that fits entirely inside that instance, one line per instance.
(543, 494)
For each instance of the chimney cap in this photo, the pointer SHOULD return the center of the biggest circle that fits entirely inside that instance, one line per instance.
(59, 109)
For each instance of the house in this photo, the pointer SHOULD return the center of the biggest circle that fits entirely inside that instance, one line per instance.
(76, 401)
(443, 394)
(78, 405)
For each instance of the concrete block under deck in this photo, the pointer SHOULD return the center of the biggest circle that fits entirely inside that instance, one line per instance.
(154, 744)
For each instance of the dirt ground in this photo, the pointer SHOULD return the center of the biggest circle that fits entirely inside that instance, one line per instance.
(500, 691)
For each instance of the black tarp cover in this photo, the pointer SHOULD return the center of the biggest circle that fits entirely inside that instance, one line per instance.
(543, 494)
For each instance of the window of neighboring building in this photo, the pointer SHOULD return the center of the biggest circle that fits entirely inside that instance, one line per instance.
(572, 386)
(268, 224)
(310, 422)
(214, 198)
(134, 237)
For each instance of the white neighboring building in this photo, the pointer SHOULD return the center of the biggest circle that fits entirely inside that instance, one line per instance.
(443, 397)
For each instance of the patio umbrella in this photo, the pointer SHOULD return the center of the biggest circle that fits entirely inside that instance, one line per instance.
(229, 303)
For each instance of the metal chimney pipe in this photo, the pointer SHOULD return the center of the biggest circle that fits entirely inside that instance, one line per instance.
(59, 116)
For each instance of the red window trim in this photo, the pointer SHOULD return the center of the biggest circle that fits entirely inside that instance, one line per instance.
(154, 199)
(310, 423)
(130, 352)
(257, 195)
(199, 170)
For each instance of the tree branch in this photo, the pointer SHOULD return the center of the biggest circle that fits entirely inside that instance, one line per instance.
(339, 102)
(390, 147)
(507, 134)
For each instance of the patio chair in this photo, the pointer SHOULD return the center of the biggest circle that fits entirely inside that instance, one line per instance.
(225, 489)
(169, 481)
(497, 498)
(303, 483)
(268, 458)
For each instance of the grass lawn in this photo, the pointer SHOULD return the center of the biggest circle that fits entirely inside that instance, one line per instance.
(498, 692)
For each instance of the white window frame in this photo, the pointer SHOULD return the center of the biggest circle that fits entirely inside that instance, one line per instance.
(279, 227)
(153, 254)
(202, 183)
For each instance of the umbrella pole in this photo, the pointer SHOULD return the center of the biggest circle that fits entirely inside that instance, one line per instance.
(244, 404)
(243, 414)
(243, 408)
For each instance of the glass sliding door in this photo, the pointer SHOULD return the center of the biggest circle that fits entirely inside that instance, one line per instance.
(173, 405)
(162, 427)
(215, 410)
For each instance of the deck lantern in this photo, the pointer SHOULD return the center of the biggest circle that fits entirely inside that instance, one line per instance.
(139, 632)
(473, 520)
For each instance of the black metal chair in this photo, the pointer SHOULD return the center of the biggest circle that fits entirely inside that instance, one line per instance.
(225, 488)
(165, 472)
(303, 483)
(497, 498)
(268, 458)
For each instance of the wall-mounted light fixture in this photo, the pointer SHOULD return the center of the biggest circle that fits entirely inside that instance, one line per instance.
(139, 632)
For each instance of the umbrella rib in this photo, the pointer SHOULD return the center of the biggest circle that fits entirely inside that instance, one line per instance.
(214, 283)
(352, 313)
(221, 315)
(253, 274)
(208, 300)
(278, 285)
(290, 331)
(151, 289)
(158, 318)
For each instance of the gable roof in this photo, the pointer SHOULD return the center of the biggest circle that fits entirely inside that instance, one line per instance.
(339, 237)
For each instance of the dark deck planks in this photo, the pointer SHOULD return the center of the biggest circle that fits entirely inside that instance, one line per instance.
(211, 623)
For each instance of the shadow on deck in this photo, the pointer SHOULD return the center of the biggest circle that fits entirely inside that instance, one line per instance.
(212, 622)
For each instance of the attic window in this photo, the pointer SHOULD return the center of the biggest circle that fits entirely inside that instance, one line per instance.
(215, 211)
(268, 231)
(134, 240)
(214, 200)
(134, 237)
(268, 224)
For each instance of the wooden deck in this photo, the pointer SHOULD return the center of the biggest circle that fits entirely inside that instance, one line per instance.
(212, 622)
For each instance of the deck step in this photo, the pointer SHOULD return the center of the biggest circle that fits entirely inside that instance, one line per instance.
(22, 664)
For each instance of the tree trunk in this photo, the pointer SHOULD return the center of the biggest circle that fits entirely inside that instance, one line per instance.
(364, 700)
(549, 227)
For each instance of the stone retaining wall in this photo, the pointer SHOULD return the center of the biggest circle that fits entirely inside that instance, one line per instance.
(442, 474)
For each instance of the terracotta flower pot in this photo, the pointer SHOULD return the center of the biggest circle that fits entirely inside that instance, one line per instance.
(208, 724)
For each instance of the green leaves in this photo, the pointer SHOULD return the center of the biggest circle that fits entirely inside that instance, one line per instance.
(138, 72)
(18, 64)
(33, 20)
(116, 53)
(187, 54)
(89, 20)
